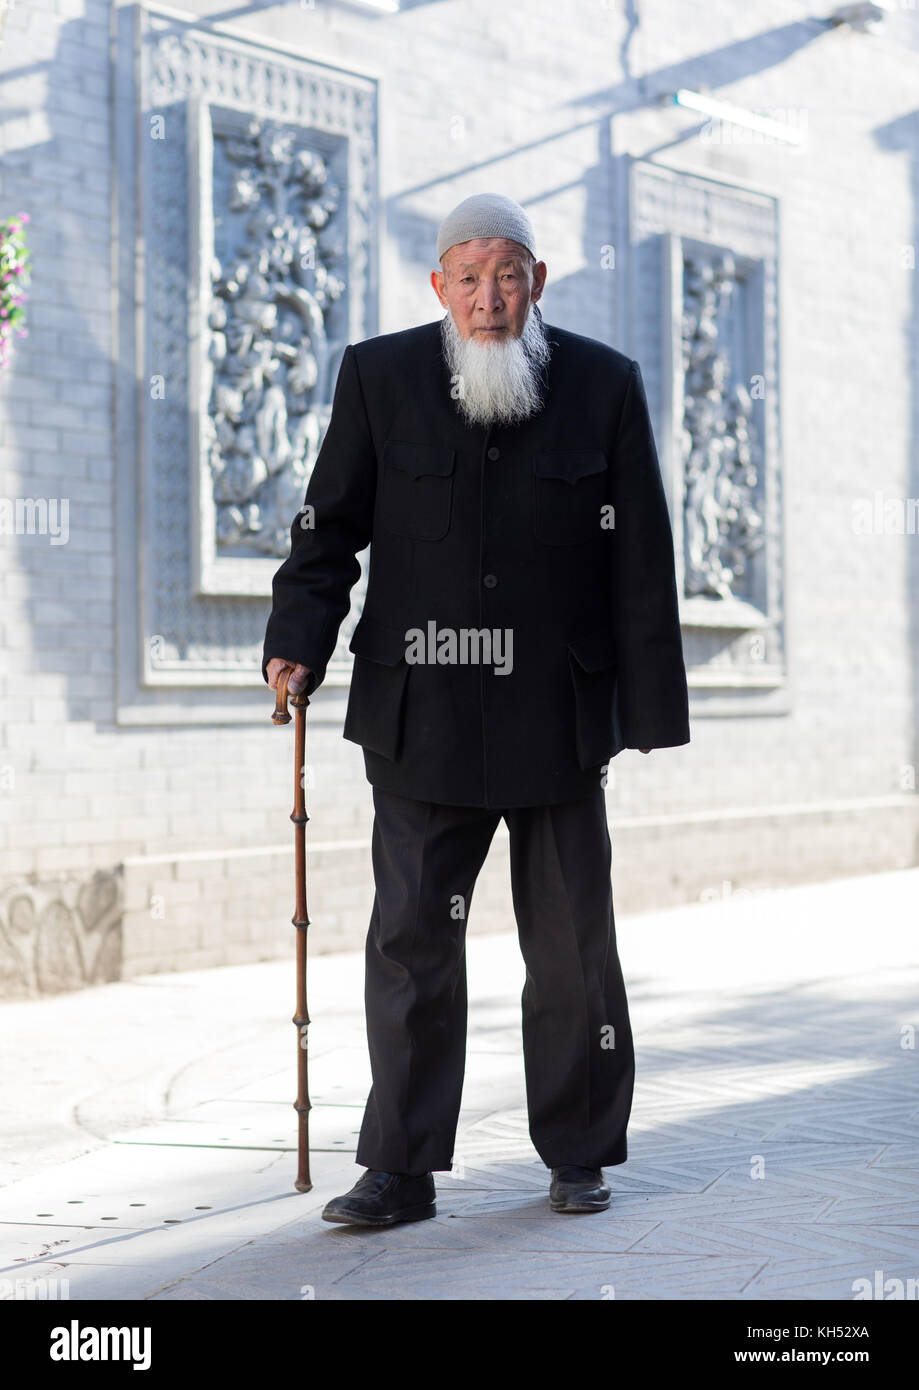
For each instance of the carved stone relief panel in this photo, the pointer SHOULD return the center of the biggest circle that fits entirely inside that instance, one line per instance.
(258, 237)
(721, 451)
(61, 935)
(271, 286)
(705, 334)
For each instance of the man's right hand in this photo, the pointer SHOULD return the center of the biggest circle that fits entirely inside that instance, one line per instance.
(298, 680)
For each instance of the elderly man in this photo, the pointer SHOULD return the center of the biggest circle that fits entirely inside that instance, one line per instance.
(520, 629)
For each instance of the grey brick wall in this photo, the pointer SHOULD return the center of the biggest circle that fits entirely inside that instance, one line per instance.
(533, 100)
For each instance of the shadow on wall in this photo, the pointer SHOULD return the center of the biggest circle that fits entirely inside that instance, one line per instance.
(65, 343)
(572, 301)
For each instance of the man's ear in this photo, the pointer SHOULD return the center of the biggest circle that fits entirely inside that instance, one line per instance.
(540, 270)
(437, 281)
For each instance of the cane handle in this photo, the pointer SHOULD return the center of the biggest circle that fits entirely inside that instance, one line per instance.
(281, 714)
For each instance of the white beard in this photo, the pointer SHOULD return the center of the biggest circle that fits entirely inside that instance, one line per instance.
(500, 380)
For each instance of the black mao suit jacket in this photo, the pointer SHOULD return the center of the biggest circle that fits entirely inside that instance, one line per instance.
(490, 528)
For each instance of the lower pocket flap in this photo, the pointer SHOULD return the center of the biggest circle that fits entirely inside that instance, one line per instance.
(594, 650)
(418, 460)
(377, 642)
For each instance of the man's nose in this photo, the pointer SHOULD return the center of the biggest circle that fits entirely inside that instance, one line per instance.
(490, 297)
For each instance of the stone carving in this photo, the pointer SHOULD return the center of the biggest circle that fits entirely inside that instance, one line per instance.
(57, 937)
(721, 453)
(268, 348)
(722, 523)
(667, 200)
(202, 591)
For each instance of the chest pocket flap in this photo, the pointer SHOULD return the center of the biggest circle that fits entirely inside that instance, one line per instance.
(569, 492)
(416, 495)
(570, 465)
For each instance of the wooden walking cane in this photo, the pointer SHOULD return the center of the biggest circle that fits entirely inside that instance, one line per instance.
(300, 919)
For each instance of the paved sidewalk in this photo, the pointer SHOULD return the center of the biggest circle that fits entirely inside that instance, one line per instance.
(147, 1140)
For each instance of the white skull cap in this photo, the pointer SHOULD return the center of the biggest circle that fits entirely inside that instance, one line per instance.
(486, 215)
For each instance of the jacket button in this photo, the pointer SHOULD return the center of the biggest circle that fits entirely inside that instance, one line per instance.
(489, 581)
(494, 453)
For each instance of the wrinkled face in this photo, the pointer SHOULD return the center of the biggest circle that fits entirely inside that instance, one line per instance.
(488, 285)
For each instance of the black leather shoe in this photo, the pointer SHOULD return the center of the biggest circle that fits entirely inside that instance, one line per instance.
(382, 1199)
(578, 1189)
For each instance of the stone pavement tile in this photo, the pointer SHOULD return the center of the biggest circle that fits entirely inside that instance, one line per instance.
(662, 1132)
(495, 1072)
(898, 1156)
(815, 1278)
(109, 1283)
(222, 1124)
(650, 1208)
(507, 1175)
(536, 1229)
(832, 1179)
(513, 1275)
(485, 1200)
(281, 1271)
(447, 1183)
(143, 1260)
(77, 1282)
(501, 1049)
(873, 1209)
(672, 1166)
(284, 1270)
(713, 1206)
(193, 1242)
(736, 1109)
(780, 1239)
(492, 1166)
(158, 1261)
(739, 1157)
(643, 1278)
(484, 1175)
(495, 1093)
(218, 1200)
(735, 1112)
(339, 1073)
(764, 1065)
(860, 1121)
(496, 1153)
(275, 1267)
(680, 1174)
(298, 1263)
(28, 1245)
(167, 1183)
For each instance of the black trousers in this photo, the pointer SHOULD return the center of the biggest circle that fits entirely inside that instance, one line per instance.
(579, 1060)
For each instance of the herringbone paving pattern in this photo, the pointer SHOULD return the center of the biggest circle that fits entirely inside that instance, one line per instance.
(773, 1148)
